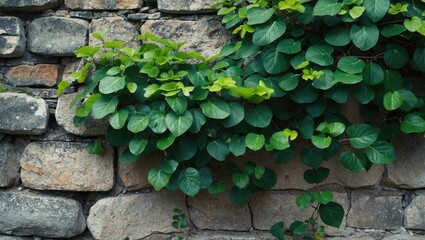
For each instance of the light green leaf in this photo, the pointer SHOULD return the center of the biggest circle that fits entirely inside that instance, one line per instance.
(178, 124)
(321, 141)
(137, 145)
(111, 84)
(104, 106)
(158, 179)
(327, 8)
(381, 152)
(279, 141)
(254, 141)
(257, 15)
(216, 108)
(393, 100)
(137, 122)
(270, 31)
(190, 181)
(241, 180)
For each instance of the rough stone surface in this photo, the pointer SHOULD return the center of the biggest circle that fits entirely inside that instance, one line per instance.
(274, 206)
(134, 216)
(29, 5)
(216, 212)
(47, 35)
(22, 114)
(65, 115)
(9, 164)
(26, 214)
(409, 169)
(14, 238)
(69, 69)
(31, 59)
(186, 6)
(375, 209)
(66, 166)
(12, 37)
(404, 236)
(118, 29)
(104, 4)
(414, 214)
(134, 175)
(216, 235)
(204, 36)
(45, 75)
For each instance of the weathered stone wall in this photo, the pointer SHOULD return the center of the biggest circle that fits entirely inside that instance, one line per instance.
(51, 188)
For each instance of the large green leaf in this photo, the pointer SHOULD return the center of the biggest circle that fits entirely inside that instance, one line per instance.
(268, 32)
(338, 36)
(312, 157)
(218, 150)
(241, 180)
(216, 108)
(111, 84)
(158, 179)
(138, 122)
(278, 231)
(362, 135)
(177, 104)
(166, 142)
(118, 119)
(257, 15)
(137, 145)
(413, 123)
(381, 152)
(190, 181)
(320, 54)
(347, 78)
(393, 100)
(157, 122)
(104, 106)
(327, 8)
(355, 162)
(240, 196)
(254, 141)
(279, 141)
(199, 120)
(237, 114)
(316, 176)
(331, 214)
(373, 74)
(364, 37)
(351, 65)
(260, 116)
(274, 62)
(237, 146)
(289, 46)
(321, 141)
(376, 9)
(179, 124)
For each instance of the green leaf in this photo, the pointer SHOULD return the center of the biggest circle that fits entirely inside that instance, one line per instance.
(177, 104)
(260, 116)
(279, 141)
(198, 120)
(259, 172)
(128, 157)
(364, 93)
(137, 145)
(392, 30)
(138, 122)
(324, 82)
(376, 9)
(413, 123)
(218, 150)
(267, 181)
(237, 114)
(111, 84)
(373, 74)
(351, 65)
(239, 196)
(323, 197)
(164, 143)
(327, 8)
(321, 141)
(190, 181)
(237, 146)
(355, 162)
(274, 62)
(316, 176)
(270, 31)
(298, 228)
(278, 231)
(312, 157)
(254, 141)
(283, 156)
(393, 80)
(288, 82)
(168, 166)
(331, 214)
(289, 46)
(396, 56)
(320, 55)
(257, 15)
(178, 124)
(158, 179)
(347, 78)
(419, 59)
(216, 187)
(241, 180)
(216, 108)
(410, 101)
(364, 37)
(95, 147)
(62, 86)
(304, 201)
(381, 152)
(206, 177)
(104, 106)
(86, 51)
(118, 119)
(362, 135)
(393, 100)
(338, 36)
(157, 122)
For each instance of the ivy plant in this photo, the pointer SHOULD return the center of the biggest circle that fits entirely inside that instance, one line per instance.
(295, 69)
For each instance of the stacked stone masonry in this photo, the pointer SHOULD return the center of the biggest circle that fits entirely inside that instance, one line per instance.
(51, 188)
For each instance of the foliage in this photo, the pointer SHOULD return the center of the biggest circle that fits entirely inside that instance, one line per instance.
(179, 221)
(298, 66)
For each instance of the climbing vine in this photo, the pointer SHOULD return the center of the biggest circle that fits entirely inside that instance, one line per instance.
(288, 78)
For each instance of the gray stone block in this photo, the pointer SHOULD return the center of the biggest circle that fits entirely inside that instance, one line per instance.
(186, 6)
(9, 164)
(104, 4)
(27, 214)
(12, 37)
(57, 36)
(414, 214)
(22, 114)
(375, 209)
(29, 5)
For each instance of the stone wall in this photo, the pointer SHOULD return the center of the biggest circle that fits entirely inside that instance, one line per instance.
(50, 187)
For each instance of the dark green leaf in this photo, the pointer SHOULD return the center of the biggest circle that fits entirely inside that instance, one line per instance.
(179, 124)
(355, 162)
(364, 37)
(190, 181)
(316, 176)
(216, 108)
(331, 214)
(278, 231)
(320, 54)
(260, 116)
(257, 15)
(270, 31)
(362, 135)
(413, 123)
(381, 152)
(218, 150)
(95, 147)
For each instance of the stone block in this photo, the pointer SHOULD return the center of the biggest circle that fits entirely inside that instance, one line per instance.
(14, 238)
(375, 209)
(9, 164)
(414, 214)
(66, 166)
(217, 235)
(184, 6)
(47, 35)
(410, 162)
(29, 5)
(274, 206)
(12, 37)
(404, 236)
(23, 114)
(103, 4)
(27, 214)
(134, 216)
(31, 59)
(65, 115)
(206, 36)
(216, 212)
(45, 75)
(135, 175)
(118, 29)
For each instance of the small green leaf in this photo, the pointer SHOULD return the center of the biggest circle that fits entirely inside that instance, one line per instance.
(331, 214)
(355, 162)
(118, 119)
(278, 231)
(241, 180)
(320, 54)
(254, 141)
(321, 141)
(393, 100)
(218, 150)
(298, 228)
(177, 104)
(268, 32)
(216, 187)
(216, 108)
(323, 197)
(316, 176)
(237, 146)
(158, 179)
(413, 123)
(179, 124)
(111, 84)
(351, 65)
(327, 8)
(137, 123)
(164, 143)
(381, 152)
(279, 141)
(260, 116)
(137, 145)
(304, 201)
(240, 196)
(104, 106)
(95, 147)
(257, 15)
(362, 135)
(364, 37)
(190, 181)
